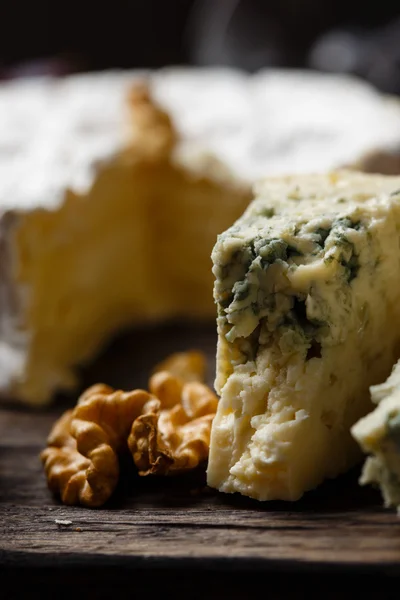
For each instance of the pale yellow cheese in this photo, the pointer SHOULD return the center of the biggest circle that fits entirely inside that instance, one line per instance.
(378, 434)
(308, 300)
(93, 266)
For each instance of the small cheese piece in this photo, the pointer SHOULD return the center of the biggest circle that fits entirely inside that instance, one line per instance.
(308, 300)
(111, 199)
(378, 434)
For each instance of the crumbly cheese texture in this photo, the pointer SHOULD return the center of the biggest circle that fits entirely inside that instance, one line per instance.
(308, 318)
(378, 434)
(109, 211)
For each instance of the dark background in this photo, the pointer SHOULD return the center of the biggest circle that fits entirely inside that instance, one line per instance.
(357, 37)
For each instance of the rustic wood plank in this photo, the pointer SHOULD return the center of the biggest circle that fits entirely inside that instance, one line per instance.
(177, 518)
(178, 523)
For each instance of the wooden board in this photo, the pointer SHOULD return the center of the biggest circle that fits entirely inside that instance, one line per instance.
(178, 527)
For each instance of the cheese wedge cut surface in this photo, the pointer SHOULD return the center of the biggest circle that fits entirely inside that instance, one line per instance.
(378, 434)
(308, 298)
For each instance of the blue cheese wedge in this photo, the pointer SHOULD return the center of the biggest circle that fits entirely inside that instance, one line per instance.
(308, 318)
(378, 434)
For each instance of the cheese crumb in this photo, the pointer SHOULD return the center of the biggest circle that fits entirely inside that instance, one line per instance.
(63, 522)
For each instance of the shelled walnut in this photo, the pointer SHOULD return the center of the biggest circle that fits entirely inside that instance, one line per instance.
(188, 366)
(167, 429)
(81, 461)
(173, 433)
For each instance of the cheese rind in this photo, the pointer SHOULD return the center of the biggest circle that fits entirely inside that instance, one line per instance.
(378, 434)
(55, 133)
(308, 318)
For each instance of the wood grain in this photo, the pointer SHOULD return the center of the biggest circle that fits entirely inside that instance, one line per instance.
(178, 524)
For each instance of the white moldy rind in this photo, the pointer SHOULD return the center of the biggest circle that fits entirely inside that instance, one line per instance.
(13, 338)
(55, 133)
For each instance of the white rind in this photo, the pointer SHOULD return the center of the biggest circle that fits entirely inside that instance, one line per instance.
(55, 132)
(13, 338)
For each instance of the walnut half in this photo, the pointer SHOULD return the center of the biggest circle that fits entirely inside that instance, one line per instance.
(81, 461)
(173, 433)
(167, 429)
